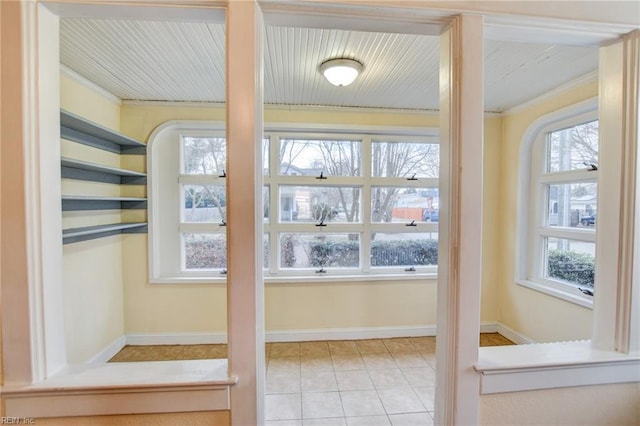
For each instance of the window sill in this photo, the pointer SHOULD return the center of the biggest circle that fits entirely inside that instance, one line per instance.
(292, 279)
(571, 294)
(552, 365)
(124, 388)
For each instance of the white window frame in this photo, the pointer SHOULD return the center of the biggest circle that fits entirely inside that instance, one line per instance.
(166, 226)
(532, 227)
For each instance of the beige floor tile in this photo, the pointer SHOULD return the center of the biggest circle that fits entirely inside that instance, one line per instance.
(397, 401)
(316, 362)
(347, 362)
(283, 407)
(368, 421)
(430, 358)
(343, 347)
(494, 339)
(164, 352)
(314, 348)
(130, 354)
(319, 381)
(335, 421)
(284, 423)
(426, 344)
(427, 396)
(361, 403)
(283, 364)
(219, 351)
(373, 346)
(283, 382)
(287, 349)
(400, 344)
(388, 378)
(415, 419)
(410, 359)
(379, 361)
(420, 376)
(354, 380)
(321, 405)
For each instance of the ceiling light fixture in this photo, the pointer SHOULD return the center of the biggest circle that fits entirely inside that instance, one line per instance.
(340, 72)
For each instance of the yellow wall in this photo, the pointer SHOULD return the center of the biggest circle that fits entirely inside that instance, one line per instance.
(92, 270)
(175, 308)
(536, 315)
(613, 405)
(171, 308)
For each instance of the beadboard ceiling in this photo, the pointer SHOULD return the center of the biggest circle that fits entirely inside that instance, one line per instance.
(184, 62)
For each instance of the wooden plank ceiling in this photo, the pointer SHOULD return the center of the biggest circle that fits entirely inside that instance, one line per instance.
(184, 62)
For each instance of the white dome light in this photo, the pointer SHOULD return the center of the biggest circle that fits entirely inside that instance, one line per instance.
(341, 72)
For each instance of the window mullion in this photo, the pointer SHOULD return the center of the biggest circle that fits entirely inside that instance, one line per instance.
(365, 196)
(274, 203)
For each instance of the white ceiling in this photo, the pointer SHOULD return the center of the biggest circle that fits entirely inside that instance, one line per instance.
(168, 61)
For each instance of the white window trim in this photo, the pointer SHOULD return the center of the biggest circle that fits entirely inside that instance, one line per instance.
(526, 229)
(158, 203)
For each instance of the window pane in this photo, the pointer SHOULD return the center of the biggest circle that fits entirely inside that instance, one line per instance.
(402, 159)
(312, 157)
(267, 252)
(573, 204)
(404, 204)
(571, 261)
(265, 202)
(265, 156)
(204, 156)
(319, 250)
(315, 203)
(205, 251)
(573, 148)
(404, 249)
(204, 203)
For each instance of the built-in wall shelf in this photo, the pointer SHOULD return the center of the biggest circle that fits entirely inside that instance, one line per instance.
(80, 130)
(91, 202)
(82, 170)
(75, 235)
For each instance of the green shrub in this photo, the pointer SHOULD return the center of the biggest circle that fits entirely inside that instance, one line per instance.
(383, 253)
(404, 252)
(334, 253)
(577, 268)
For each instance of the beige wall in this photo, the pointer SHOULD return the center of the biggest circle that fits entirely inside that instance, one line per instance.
(614, 405)
(536, 315)
(92, 270)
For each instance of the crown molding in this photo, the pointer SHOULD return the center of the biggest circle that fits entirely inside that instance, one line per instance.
(68, 72)
(587, 78)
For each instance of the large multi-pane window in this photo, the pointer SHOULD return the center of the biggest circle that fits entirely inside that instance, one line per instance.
(564, 206)
(333, 204)
(351, 204)
(203, 203)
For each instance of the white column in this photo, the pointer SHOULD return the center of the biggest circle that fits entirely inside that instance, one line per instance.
(617, 270)
(245, 290)
(459, 257)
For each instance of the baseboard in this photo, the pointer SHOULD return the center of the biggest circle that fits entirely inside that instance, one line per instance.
(306, 335)
(514, 336)
(489, 327)
(108, 352)
(176, 338)
(349, 333)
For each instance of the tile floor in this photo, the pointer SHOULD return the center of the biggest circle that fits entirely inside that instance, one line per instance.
(373, 382)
